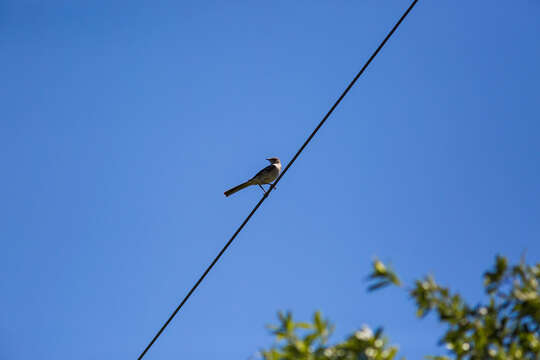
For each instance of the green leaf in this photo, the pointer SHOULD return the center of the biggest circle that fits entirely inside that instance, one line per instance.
(303, 325)
(378, 285)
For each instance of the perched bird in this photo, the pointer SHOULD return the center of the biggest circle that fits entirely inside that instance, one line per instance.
(265, 176)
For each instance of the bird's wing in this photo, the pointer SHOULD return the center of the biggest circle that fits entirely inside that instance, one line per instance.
(263, 172)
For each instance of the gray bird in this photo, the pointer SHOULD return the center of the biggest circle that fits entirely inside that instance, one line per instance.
(265, 176)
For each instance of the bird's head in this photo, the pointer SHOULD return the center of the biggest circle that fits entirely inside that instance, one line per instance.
(274, 160)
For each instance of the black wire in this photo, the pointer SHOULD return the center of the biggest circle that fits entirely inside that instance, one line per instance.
(278, 179)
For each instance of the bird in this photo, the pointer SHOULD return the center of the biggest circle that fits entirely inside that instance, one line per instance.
(265, 176)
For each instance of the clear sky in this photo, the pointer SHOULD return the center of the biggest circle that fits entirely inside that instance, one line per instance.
(122, 123)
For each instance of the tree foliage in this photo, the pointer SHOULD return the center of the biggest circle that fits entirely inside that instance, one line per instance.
(506, 326)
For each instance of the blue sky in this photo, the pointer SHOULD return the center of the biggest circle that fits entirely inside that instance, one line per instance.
(123, 123)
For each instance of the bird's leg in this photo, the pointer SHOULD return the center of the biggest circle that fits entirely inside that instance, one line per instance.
(264, 191)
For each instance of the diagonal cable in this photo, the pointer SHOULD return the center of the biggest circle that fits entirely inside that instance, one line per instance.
(351, 84)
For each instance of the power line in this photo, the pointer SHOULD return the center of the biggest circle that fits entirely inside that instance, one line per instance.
(279, 178)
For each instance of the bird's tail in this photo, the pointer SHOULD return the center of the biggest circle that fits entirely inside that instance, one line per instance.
(238, 188)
